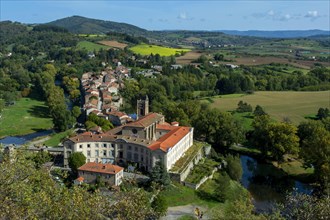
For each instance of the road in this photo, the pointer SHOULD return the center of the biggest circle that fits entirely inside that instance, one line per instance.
(176, 212)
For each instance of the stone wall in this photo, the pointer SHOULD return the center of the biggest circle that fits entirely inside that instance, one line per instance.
(197, 185)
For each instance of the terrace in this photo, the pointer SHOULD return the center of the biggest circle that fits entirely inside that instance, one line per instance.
(189, 155)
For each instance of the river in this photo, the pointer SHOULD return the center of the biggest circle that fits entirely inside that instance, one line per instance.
(267, 184)
(20, 140)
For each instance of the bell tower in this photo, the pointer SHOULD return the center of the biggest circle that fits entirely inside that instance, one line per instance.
(142, 107)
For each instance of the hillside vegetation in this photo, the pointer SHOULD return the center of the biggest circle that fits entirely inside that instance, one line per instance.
(82, 25)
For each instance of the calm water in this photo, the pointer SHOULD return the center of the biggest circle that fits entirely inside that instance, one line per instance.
(267, 184)
(19, 140)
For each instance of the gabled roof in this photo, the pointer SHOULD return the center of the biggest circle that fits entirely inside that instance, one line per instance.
(117, 113)
(165, 126)
(170, 139)
(146, 120)
(100, 168)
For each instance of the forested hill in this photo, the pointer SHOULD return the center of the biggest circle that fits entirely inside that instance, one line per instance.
(277, 34)
(82, 25)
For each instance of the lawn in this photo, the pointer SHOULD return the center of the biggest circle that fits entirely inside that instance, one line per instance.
(57, 138)
(26, 116)
(177, 195)
(90, 46)
(289, 104)
(146, 49)
(245, 118)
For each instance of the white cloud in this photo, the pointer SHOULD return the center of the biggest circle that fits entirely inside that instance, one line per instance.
(285, 17)
(271, 13)
(182, 16)
(312, 14)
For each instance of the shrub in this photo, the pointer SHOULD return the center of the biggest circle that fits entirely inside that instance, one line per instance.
(223, 187)
(234, 167)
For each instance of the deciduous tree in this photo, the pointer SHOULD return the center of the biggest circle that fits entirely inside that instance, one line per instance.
(76, 160)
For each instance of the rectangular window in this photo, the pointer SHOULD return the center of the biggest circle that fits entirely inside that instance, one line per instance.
(88, 153)
(88, 145)
(142, 158)
(105, 153)
(120, 154)
(142, 150)
(97, 145)
(96, 153)
(136, 149)
(129, 156)
(113, 145)
(105, 145)
(121, 146)
(129, 147)
(136, 157)
(80, 146)
(96, 160)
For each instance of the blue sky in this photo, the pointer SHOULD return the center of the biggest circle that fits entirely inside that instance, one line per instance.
(186, 15)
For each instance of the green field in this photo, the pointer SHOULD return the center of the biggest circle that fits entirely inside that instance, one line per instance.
(280, 105)
(146, 49)
(26, 116)
(90, 46)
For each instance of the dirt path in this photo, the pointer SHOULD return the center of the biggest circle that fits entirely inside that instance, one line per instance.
(176, 212)
(39, 141)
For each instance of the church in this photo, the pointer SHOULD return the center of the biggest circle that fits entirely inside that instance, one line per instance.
(143, 142)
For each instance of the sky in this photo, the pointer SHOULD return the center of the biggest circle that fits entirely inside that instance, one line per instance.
(179, 15)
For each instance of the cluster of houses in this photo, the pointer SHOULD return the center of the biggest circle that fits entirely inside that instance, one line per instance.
(142, 143)
(101, 94)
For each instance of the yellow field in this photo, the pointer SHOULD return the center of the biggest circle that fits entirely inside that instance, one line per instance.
(293, 105)
(146, 49)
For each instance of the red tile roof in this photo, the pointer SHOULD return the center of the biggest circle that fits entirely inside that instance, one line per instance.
(170, 139)
(165, 126)
(146, 120)
(80, 179)
(100, 168)
(117, 113)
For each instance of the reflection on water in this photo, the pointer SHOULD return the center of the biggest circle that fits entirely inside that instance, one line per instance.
(267, 184)
(19, 140)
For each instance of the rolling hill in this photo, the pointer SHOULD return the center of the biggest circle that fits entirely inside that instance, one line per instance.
(82, 25)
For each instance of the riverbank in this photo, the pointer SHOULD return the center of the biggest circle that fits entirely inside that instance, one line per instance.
(292, 166)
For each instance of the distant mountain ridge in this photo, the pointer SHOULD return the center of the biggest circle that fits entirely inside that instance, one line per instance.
(277, 34)
(82, 25)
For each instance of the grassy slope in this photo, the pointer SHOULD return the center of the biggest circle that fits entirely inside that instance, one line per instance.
(26, 116)
(294, 105)
(57, 138)
(177, 195)
(90, 46)
(146, 49)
